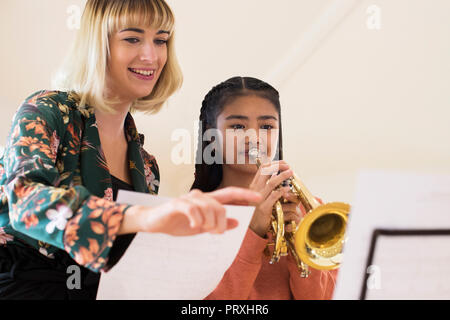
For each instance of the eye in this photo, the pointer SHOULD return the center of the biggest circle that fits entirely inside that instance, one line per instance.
(267, 127)
(161, 42)
(132, 40)
(237, 126)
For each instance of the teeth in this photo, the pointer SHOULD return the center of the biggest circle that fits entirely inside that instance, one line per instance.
(143, 72)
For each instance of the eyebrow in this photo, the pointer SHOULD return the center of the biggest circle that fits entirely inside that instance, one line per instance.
(240, 117)
(142, 31)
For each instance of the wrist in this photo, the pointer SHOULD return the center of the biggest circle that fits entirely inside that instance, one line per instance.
(133, 220)
(259, 230)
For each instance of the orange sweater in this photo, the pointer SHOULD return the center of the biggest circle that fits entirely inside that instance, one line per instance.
(252, 277)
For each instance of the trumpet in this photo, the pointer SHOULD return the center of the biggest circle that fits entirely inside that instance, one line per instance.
(318, 240)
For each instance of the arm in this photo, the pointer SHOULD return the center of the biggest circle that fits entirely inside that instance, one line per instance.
(330, 284)
(238, 280)
(70, 219)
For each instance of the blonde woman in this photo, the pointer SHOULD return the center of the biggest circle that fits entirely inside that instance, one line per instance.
(71, 149)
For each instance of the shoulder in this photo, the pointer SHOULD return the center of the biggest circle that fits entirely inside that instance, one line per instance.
(42, 101)
(45, 102)
(53, 105)
(42, 107)
(51, 99)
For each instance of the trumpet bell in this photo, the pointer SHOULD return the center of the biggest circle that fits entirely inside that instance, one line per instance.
(320, 236)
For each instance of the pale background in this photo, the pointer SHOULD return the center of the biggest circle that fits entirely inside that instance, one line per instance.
(352, 97)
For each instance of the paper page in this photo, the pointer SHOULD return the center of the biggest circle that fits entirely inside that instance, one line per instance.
(163, 267)
(416, 267)
(394, 201)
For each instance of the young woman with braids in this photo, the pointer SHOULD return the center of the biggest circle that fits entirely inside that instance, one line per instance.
(248, 103)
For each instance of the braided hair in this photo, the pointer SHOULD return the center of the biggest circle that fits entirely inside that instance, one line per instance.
(209, 176)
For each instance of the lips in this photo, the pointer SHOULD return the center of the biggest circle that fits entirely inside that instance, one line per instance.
(143, 75)
(143, 71)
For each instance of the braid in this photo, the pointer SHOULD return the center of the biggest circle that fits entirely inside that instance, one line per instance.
(208, 177)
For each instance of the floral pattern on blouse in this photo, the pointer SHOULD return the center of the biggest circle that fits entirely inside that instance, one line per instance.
(55, 186)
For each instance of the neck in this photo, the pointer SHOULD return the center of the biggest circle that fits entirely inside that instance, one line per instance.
(112, 125)
(235, 178)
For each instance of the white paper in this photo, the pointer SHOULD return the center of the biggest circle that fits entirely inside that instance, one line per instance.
(390, 200)
(413, 267)
(163, 267)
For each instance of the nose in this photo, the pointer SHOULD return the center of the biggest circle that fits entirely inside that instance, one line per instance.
(148, 53)
(252, 138)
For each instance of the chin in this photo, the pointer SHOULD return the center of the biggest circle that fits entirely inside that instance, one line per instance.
(246, 168)
(141, 95)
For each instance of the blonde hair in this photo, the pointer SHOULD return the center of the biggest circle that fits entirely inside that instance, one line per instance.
(83, 72)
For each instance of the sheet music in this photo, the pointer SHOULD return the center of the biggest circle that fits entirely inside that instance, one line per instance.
(158, 266)
(395, 201)
(416, 267)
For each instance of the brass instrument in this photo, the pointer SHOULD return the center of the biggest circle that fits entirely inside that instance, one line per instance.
(319, 238)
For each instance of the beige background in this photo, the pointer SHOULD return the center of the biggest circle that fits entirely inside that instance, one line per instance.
(352, 98)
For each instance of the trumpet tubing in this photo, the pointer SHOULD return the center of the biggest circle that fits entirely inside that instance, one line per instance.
(319, 238)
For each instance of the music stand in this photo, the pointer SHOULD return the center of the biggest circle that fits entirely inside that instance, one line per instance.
(398, 238)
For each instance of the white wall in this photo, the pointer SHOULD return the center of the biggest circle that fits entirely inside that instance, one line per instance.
(374, 99)
(361, 99)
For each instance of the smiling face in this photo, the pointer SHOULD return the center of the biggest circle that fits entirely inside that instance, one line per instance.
(137, 59)
(250, 121)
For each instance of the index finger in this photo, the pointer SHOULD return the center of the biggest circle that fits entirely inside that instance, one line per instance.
(236, 196)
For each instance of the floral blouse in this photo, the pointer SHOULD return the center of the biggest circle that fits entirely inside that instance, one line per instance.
(55, 186)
